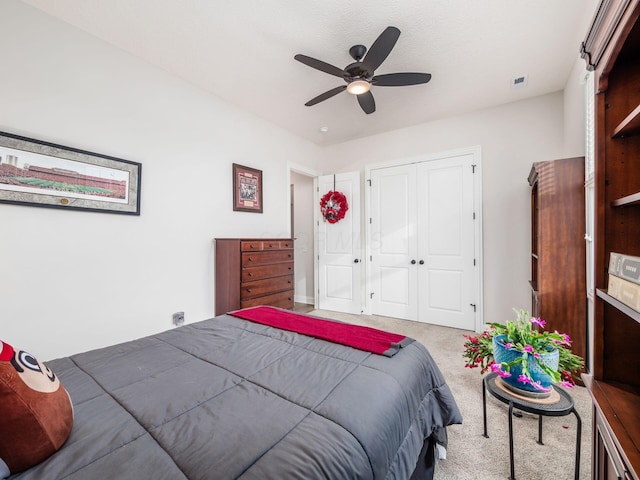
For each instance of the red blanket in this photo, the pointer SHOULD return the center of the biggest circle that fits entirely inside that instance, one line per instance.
(362, 338)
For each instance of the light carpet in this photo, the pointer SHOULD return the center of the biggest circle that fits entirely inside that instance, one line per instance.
(470, 455)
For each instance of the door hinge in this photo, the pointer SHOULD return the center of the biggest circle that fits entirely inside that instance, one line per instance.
(473, 168)
(371, 295)
(474, 262)
(370, 220)
(369, 180)
(474, 306)
(474, 215)
(371, 258)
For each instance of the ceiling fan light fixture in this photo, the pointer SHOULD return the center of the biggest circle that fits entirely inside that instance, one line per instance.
(358, 87)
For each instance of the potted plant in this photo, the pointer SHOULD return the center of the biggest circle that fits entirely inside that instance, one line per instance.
(523, 354)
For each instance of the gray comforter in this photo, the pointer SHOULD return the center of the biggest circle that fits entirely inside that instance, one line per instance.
(226, 398)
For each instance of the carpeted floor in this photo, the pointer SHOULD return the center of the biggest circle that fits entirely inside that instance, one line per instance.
(470, 455)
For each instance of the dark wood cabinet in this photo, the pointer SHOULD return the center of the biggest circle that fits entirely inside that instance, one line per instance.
(558, 252)
(251, 272)
(612, 50)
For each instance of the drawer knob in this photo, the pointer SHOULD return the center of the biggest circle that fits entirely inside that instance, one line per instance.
(289, 268)
(288, 281)
(252, 246)
(270, 245)
(248, 290)
(251, 259)
(250, 274)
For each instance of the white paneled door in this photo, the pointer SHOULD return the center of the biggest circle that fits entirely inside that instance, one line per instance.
(392, 241)
(422, 242)
(340, 249)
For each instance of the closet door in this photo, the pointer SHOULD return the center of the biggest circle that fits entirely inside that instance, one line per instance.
(445, 231)
(393, 243)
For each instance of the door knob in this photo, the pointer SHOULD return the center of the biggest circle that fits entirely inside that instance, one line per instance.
(413, 262)
(421, 262)
(356, 261)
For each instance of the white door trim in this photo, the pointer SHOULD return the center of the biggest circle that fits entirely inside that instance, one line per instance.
(476, 152)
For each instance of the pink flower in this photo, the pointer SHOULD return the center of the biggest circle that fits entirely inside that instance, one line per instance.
(503, 374)
(536, 354)
(538, 321)
(564, 383)
(538, 386)
(507, 345)
(523, 378)
(528, 349)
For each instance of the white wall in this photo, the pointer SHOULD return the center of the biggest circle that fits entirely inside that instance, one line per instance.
(303, 232)
(512, 137)
(71, 281)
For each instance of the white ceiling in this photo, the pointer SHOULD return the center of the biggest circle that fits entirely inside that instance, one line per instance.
(242, 51)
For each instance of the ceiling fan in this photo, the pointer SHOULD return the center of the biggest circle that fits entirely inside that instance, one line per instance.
(359, 75)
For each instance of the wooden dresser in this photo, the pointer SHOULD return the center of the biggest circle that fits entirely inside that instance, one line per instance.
(253, 271)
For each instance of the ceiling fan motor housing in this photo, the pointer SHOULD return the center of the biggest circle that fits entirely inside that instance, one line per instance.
(357, 52)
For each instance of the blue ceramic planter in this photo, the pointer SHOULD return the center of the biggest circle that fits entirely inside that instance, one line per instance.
(503, 355)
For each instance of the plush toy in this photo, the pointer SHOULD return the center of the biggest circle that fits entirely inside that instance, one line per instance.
(36, 414)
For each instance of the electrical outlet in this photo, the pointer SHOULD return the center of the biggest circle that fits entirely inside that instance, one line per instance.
(178, 318)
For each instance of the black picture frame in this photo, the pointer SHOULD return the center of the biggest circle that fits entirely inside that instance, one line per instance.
(247, 189)
(42, 174)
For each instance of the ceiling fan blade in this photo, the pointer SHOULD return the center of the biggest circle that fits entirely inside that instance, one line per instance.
(320, 65)
(400, 79)
(381, 48)
(367, 102)
(324, 96)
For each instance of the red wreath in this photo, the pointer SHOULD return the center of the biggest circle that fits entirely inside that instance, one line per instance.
(333, 206)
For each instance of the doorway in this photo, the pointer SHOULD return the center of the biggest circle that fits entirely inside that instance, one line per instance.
(302, 232)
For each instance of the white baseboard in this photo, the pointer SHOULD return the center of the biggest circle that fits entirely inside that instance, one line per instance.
(303, 299)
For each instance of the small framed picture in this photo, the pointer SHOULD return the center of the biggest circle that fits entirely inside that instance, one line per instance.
(247, 189)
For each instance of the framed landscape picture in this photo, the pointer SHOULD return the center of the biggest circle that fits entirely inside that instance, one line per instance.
(247, 189)
(42, 174)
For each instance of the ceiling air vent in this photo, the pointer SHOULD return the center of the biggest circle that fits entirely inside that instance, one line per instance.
(519, 82)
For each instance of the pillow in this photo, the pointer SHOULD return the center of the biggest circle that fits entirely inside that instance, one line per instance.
(37, 414)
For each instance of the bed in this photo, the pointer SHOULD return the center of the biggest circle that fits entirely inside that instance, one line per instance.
(229, 398)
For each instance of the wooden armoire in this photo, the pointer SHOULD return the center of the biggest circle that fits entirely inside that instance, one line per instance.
(558, 252)
(612, 51)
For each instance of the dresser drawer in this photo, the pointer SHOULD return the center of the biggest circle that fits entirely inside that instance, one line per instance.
(258, 245)
(251, 246)
(282, 300)
(266, 271)
(277, 245)
(264, 258)
(266, 286)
